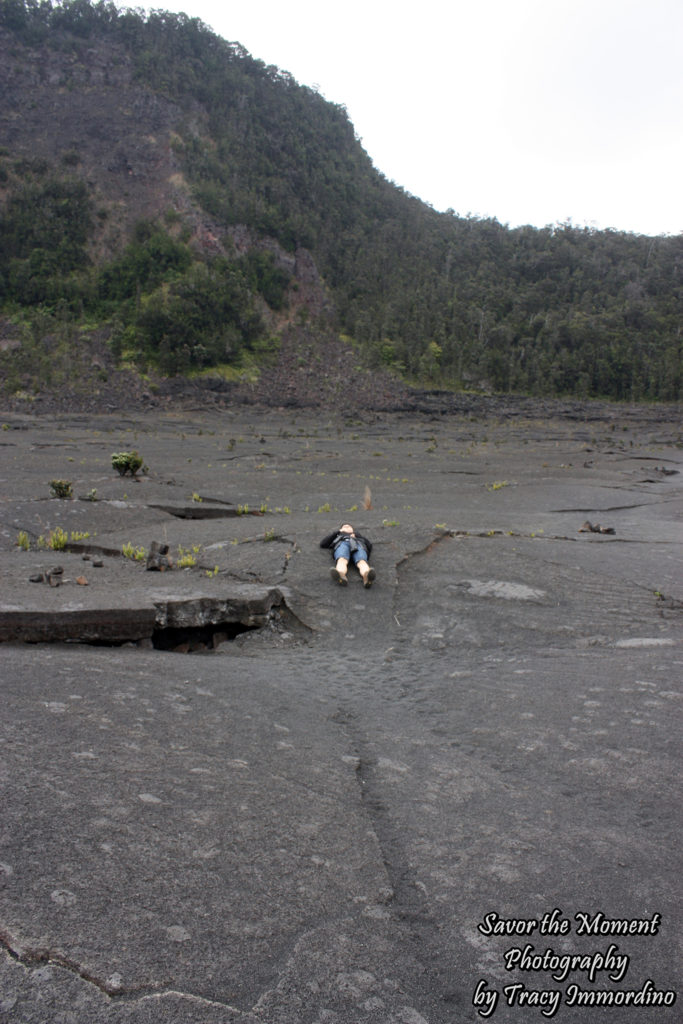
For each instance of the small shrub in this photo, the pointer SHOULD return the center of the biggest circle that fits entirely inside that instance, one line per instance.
(61, 488)
(23, 541)
(57, 539)
(187, 558)
(126, 462)
(135, 554)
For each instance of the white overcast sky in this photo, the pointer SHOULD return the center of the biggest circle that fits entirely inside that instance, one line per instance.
(531, 111)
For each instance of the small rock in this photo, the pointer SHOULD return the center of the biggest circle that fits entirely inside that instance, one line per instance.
(63, 897)
(97, 563)
(588, 527)
(82, 581)
(157, 559)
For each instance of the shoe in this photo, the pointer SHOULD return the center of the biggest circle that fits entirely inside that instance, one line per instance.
(337, 576)
(369, 578)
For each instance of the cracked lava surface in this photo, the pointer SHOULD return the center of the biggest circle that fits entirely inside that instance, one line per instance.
(235, 792)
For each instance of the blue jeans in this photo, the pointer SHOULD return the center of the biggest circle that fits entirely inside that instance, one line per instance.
(343, 550)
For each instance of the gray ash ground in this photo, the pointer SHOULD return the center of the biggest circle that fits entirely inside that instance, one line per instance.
(309, 822)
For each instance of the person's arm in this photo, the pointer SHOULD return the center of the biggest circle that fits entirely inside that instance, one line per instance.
(326, 542)
(367, 544)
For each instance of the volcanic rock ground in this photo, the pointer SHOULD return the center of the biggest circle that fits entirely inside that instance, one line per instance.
(237, 792)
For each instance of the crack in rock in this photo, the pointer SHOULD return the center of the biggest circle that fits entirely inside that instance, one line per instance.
(403, 899)
(30, 958)
(112, 986)
(444, 535)
(192, 997)
(610, 508)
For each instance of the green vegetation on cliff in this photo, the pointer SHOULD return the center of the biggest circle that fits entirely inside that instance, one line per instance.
(443, 299)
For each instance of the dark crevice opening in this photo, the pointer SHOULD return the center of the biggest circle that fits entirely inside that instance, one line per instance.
(200, 511)
(196, 639)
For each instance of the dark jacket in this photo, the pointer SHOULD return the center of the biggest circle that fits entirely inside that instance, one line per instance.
(333, 539)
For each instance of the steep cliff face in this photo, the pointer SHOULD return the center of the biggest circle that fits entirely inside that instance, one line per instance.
(77, 111)
(80, 111)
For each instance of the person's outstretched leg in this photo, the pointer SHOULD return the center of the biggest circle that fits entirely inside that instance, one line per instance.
(338, 571)
(366, 571)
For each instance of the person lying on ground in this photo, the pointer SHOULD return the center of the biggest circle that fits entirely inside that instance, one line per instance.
(348, 546)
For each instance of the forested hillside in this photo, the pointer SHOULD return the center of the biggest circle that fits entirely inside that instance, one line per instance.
(160, 186)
